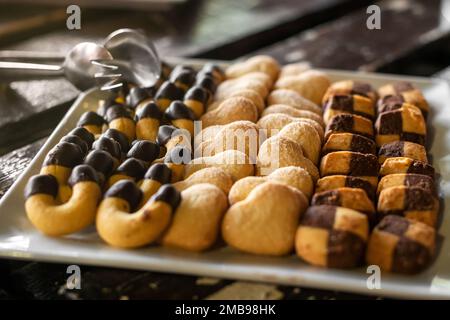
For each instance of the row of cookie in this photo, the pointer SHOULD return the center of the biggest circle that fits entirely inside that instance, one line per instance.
(334, 231)
(404, 240)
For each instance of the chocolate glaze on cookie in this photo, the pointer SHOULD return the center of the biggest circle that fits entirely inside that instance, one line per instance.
(144, 150)
(64, 154)
(126, 190)
(109, 145)
(168, 194)
(83, 134)
(132, 168)
(149, 110)
(159, 172)
(119, 137)
(41, 184)
(90, 118)
(101, 161)
(82, 172)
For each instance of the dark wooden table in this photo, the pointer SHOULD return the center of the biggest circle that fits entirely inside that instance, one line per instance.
(326, 33)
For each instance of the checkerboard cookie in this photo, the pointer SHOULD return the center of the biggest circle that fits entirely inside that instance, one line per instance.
(331, 236)
(352, 104)
(407, 180)
(341, 181)
(404, 124)
(401, 245)
(350, 87)
(402, 149)
(414, 203)
(364, 166)
(405, 165)
(349, 142)
(402, 92)
(349, 123)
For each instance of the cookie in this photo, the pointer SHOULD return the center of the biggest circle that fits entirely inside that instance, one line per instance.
(341, 181)
(331, 236)
(401, 245)
(404, 92)
(404, 124)
(364, 166)
(352, 198)
(402, 149)
(248, 223)
(413, 203)
(339, 104)
(349, 142)
(349, 123)
(407, 180)
(292, 99)
(350, 87)
(293, 112)
(405, 165)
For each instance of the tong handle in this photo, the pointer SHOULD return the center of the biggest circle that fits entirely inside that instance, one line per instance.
(20, 71)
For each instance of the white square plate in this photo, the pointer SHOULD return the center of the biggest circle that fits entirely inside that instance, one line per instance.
(20, 240)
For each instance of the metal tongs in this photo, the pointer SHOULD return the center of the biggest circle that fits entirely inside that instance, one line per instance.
(126, 55)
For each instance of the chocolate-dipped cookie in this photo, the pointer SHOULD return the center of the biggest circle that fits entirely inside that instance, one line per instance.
(139, 97)
(92, 122)
(401, 245)
(404, 124)
(349, 123)
(181, 116)
(364, 166)
(196, 99)
(413, 203)
(148, 119)
(330, 236)
(402, 149)
(349, 142)
(130, 169)
(341, 181)
(120, 119)
(339, 104)
(167, 93)
(405, 165)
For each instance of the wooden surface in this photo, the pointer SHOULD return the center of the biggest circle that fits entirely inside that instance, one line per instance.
(413, 40)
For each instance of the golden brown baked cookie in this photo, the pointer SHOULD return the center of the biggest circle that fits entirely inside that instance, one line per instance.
(306, 135)
(212, 175)
(330, 236)
(311, 84)
(278, 152)
(196, 221)
(248, 223)
(260, 63)
(295, 177)
(293, 112)
(273, 123)
(401, 245)
(230, 110)
(233, 162)
(292, 99)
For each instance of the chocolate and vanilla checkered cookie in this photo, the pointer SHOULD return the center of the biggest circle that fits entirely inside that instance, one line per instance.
(349, 123)
(404, 124)
(402, 149)
(394, 94)
(414, 203)
(351, 104)
(331, 236)
(401, 245)
(350, 87)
